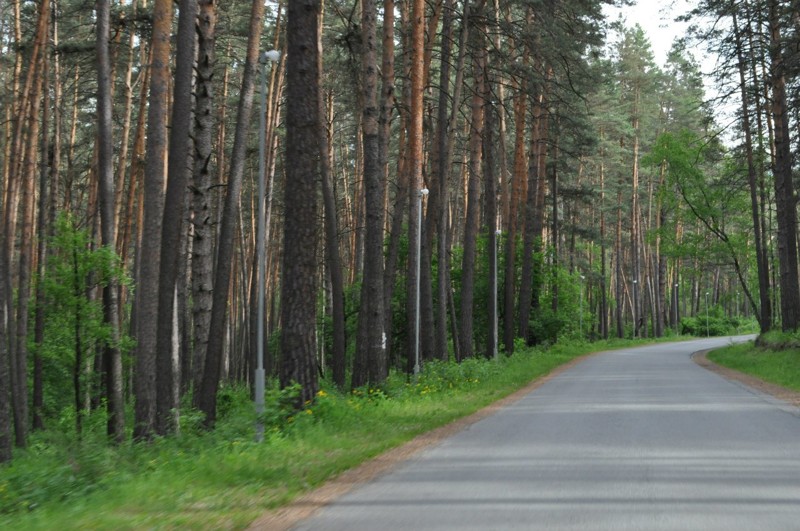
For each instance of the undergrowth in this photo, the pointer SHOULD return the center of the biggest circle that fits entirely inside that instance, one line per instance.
(775, 358)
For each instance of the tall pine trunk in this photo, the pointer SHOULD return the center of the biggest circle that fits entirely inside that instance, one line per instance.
(785, 200)
(202, 205)
(370, 365)
(107, 196)
(172, 227)
(205, 399)
(471, 224)
(155, 174)
(299, 283)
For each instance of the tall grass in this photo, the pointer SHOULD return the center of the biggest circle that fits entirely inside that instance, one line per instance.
(223, 479)
(776, 359)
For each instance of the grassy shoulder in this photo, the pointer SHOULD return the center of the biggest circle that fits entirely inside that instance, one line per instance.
(223, 479)
(776, 359)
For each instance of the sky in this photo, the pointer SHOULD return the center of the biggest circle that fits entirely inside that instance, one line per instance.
(659, 25)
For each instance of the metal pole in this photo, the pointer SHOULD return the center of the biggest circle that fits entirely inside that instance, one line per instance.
(580, 309)
(495, 326)
(422, 193)
(707, 332)
(635, 297)
(270, 56)
(675, 295)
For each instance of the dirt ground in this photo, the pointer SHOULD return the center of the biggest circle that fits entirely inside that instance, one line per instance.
(306, 505)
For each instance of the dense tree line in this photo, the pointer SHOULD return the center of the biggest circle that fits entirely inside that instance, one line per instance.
(443, 179)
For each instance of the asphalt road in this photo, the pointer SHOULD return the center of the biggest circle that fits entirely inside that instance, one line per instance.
(636, 439)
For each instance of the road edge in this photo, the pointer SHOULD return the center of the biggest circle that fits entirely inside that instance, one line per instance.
(306, 505)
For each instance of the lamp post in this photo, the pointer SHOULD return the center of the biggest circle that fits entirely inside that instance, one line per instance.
(267, 57)
(737, 305)
(675, 296)
(635, 317)
(707, 332)
(495, 325)
(580, 307)
(422, 193)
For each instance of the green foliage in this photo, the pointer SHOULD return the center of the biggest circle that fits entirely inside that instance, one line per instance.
(73, 313)
(717, 324)
(777, 340)
(778, 361)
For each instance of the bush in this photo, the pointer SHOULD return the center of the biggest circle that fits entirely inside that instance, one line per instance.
(716, 324)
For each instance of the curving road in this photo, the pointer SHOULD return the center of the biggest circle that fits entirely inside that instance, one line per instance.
(636, 439)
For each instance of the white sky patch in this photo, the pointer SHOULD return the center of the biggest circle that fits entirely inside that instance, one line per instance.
(657, 19)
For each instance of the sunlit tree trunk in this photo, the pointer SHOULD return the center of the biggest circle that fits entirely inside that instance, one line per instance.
(414, 168)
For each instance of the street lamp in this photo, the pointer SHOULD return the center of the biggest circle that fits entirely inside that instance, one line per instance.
(635, 297)
(271, 57)
(422, 193)
(495, 325)
(707, 332)
(580, 308)
(675, 295)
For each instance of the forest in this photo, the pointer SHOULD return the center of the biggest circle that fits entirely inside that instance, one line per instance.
(198, 195)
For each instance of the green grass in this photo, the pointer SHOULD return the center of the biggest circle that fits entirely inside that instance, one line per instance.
(224, 480)
(778, 366)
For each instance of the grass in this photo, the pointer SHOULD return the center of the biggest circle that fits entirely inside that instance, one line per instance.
(224, 480)
(773, 364)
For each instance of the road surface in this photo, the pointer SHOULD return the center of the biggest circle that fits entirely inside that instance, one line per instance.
(636, 439)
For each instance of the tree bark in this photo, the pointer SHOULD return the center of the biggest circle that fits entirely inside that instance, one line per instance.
(763, 312)
(105, 172)
(202, 203)
(415, 160)
(206, 399)
(785, 200)
(180, 143)
(299, 285)
(370, 365)
(147, 294)
(473, 191)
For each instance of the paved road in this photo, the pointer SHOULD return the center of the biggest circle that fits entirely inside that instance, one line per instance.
(637, 439)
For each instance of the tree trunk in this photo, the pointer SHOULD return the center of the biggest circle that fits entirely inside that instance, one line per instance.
(299, 285)
(105, 171)
(518, 192)
(763, 312)
(492, 225)
(473, 191)
(371, 365)
(785, 200)
(206, 399)
(414, 168)
(202, 203)
(178, 165)
(147, 294)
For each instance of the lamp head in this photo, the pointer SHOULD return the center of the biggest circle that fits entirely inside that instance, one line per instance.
(269, 56)
(423, 192)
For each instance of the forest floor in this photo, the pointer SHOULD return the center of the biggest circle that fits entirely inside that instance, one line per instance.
(306, 505)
